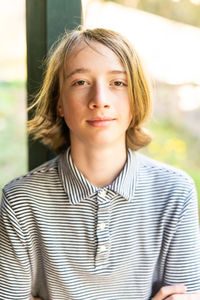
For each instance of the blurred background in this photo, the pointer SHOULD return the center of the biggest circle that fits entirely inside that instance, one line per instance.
(166, 35)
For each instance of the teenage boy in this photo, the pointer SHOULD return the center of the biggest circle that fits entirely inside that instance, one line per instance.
(100, 221)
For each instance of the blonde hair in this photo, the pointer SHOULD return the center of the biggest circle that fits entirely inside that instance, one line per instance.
(46, 123)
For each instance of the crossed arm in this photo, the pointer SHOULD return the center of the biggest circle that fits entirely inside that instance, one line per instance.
(174, 292)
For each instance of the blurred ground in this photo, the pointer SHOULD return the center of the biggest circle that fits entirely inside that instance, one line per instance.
(13, 142)
(13, 40)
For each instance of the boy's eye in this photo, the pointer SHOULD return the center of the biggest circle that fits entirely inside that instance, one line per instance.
(80, 82)
(119, 83)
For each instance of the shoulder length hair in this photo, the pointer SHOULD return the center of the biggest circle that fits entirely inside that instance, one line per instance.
(46, 123)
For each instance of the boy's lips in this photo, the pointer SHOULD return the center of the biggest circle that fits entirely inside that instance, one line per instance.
(100, 121)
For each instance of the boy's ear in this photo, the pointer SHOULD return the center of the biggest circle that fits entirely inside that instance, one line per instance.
(60, 109)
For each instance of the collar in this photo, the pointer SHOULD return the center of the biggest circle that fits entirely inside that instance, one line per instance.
(77, 187)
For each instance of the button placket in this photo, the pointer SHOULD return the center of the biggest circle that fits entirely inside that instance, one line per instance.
(102, 193)
(102, 226)
(102, 231)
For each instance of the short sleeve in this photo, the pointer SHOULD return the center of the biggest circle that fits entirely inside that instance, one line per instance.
(183, 259)
(15, 274)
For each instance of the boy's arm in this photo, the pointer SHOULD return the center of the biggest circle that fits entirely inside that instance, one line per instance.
(182, 265)
(15, 269)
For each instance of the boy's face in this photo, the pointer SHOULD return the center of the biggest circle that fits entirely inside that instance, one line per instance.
(94, 98)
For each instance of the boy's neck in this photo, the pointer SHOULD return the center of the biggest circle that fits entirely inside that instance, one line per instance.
(100, 166)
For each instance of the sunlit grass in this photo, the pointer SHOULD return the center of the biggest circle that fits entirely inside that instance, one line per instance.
(13, 153)
(175, 146)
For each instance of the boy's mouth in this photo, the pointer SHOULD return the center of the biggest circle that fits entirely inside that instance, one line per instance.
(101, 121)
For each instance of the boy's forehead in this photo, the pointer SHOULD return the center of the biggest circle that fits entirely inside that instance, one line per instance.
(81, 46)
(77, 48)
(93, 49)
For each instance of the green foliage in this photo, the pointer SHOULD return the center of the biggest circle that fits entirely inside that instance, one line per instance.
(182, 11)
(172, 145)
(13, 156)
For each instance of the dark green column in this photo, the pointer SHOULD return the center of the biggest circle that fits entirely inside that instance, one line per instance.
(45, 21)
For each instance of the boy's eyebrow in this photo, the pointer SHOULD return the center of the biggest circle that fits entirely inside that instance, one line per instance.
(117, 72)
(78, 70)
(84, 70)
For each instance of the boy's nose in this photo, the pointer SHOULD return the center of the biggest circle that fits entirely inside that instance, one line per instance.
(99, 97)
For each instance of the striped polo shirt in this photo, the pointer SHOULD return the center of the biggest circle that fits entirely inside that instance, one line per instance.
(61, 238)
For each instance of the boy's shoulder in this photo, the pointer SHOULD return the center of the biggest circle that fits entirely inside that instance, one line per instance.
(160, 169)
(42, 173)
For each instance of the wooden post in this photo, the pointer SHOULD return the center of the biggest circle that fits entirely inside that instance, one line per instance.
(45, 21)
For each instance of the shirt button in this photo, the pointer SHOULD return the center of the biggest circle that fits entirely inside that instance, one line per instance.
(103, 248)
(102, 193)
(102, 226)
